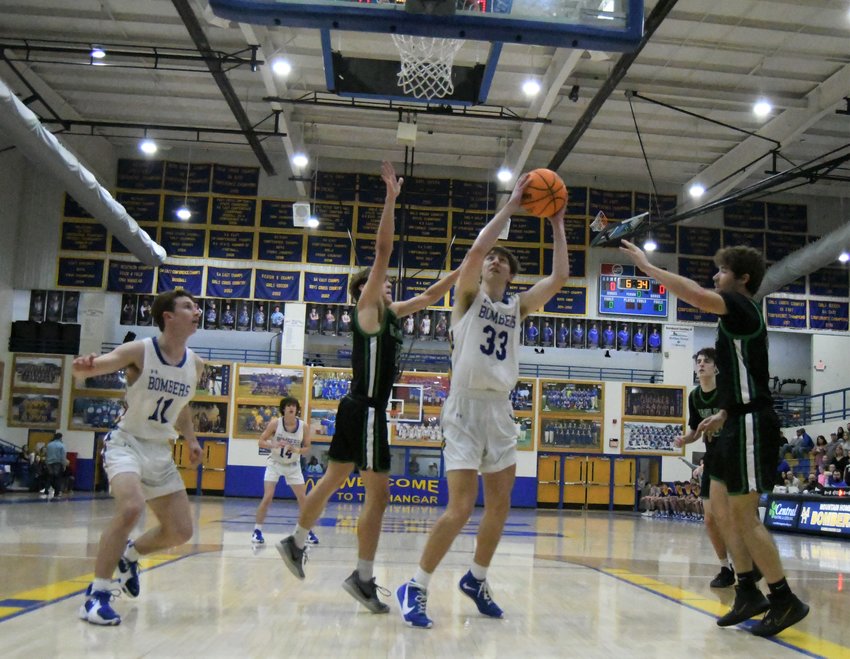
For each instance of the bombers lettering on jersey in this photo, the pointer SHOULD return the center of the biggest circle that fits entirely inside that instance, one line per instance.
(157, 383)
(487, 313)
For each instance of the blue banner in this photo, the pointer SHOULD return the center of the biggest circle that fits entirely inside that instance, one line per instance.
(334, 217)
(141, 206)
(699, 241)
(178, 241)
(188, 277)
(825, 315)
(529, 260)
(117, 247)
(364, 253)
(701, 271)
(83, 237)
(228, 282)
(429, 255)
(780, 245)
(275, 214)
(575, 229)
(785, 312)
(368, 218)
(825, 517)
(333, 186)
(686, 313)
(569, 300)
(238, 245)
(578, 258)
(234, 211)
(616, 204)
(744, 215)
(526, 229)
(663, 204)
(276, 285)
(433, 192)
(576, 201)
(80, 273)
(200, 175)
(233, 180)
(466, 225)
(371, 189)
(427, 223)
(665, 238)
(413, 286)
(735, 237)
(330, 288)
(329, 250)
(408, 491)
(198, 206)
(73, 209)
(787, 217)
(129, 277)
(473, 195)
(281, 247)
(831, 282)
(140, 174)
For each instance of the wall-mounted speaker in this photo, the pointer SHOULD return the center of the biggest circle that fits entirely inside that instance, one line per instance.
(300, 214)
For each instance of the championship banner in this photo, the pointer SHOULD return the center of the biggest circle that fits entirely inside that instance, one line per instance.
(785, 312)
(702, 271)
(325, 288)
(129, 277)
(228, 282)
(699, 241)
(433, 192)
(80, 273)
(825, 315)
(189, 277)
(179, 241)
(666, 204)
(413, 286)
(233, 211)
(780, 245)
(141, 206)
(578, 258)
(829, 282)
(429, 255)
(200, 176)
(787, 217)
(473, 195)
(467, 225)
(364, 253)
(276, 285)
(577, 201)
(526, 229)
(796, 287)
(427, 223)
(616, 204)
(281, 247)
(368, 218)
(332, 186)
(744, 215)
(197, 205)
(233, 180)
(329, 250)
(275, 214)
(83, 237)
(529, 259)
(140, 174)
(575, 229)
(237, 245)
(735, 237)
(570, 300)
(334, 217)
(403, 490)
(685, 313)
(665, 238)
(72, 209)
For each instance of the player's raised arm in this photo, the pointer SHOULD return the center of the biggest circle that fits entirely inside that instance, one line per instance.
(543, 291)
(373, 291)
(427, 297)
(126, 355)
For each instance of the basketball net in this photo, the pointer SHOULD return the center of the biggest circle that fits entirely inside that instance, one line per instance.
(426, 65)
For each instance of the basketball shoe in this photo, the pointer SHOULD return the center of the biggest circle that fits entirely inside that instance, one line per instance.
(366, 592)
(257, 537)
(749, 602)
(128, 574)
(292, 556)
(413, 601)
(479, 593)
(97, 609)
(783, 613)
(311, 538)
(724, 578)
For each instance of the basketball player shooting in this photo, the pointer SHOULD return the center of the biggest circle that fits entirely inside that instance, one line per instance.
(477, 417)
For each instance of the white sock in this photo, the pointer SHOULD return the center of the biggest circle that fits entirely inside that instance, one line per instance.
(422, 577)
(130, 552)
(101, 585)
(725, 563)
(300, 535)
(258, 527)
(365, 569)
(478, 571)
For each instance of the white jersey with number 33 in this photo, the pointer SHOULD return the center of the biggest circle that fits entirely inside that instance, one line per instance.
(485, 345)
(156, 398)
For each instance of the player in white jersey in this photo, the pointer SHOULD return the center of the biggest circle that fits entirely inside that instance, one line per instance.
(285, 438)
(162, 374)
(477, 418)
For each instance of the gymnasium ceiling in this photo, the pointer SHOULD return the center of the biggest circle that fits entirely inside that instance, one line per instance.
(710, 57)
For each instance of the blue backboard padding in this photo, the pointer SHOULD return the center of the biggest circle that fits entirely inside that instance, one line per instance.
(490, 26)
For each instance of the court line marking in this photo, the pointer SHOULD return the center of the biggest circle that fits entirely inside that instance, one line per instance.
(68, 588)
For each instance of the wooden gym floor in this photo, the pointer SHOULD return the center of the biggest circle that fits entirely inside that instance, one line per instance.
(571, 583)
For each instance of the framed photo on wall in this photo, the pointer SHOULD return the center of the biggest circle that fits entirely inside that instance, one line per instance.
(37, 372)
(34, 410)
(651, 437)
(98, 413)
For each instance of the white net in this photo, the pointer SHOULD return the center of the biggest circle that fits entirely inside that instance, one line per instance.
(426, 65)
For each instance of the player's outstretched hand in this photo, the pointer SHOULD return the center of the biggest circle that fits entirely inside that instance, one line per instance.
(83, 363)
(635, 253)
(515, 200)
(679, 441)
(393, 183)
(558, 218)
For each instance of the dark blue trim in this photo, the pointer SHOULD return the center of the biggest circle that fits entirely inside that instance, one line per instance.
(165, 363)
(327, 60)
(371, 17)
(489, 71)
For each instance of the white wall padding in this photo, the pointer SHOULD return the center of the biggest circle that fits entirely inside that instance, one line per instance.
(37, 144)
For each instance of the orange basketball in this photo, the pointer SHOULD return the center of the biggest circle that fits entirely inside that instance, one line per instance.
(545, 193)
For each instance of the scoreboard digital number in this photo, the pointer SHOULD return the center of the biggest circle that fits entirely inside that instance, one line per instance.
(623, 292)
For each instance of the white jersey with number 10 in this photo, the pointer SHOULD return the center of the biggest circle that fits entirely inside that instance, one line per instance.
(156, 398)
(485, 345)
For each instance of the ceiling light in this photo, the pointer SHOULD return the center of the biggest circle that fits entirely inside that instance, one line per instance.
(300, 160)
(97, 52)
(504, 174)
(531, 87)
(650, 245)
(697, 190)
(281, 67)
(312, 222)
(184, 213)
(148, 147)
(844, 257)
(762, 108)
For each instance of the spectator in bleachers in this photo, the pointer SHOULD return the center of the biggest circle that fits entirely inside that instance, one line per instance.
(840, 459)
(822, 474)
(835, 480)
(803, 446)
(818, 454)
(833, 444)
(812, 486)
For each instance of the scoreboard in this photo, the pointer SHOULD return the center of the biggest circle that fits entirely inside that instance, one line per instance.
(625, 291)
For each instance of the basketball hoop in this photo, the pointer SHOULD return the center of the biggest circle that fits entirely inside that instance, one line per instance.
(426, 65)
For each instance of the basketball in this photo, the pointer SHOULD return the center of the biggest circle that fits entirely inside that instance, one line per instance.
(545, 193)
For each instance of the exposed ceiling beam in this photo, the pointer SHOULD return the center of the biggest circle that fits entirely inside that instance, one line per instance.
(196, 32)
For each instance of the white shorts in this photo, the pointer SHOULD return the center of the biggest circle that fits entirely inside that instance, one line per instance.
(291, 471)
(479, 430)
(152, 460)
